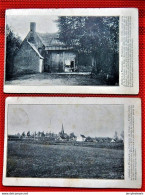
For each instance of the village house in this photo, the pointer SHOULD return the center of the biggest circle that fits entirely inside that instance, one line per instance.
(44, 53)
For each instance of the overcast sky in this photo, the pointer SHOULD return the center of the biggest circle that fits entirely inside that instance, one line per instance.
(21, 24)
(90, 120)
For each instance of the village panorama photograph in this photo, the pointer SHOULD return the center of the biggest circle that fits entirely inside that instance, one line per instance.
(65, 141)
(62, 50)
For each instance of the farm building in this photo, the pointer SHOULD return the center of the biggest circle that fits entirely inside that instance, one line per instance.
(44, 53)
(14, 137)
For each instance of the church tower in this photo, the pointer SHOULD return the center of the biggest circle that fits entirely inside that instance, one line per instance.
(62, 130)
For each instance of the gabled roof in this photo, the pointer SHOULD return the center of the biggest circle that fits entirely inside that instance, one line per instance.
(32, 37)
(35, 49)
(51, 41)
(48, 40)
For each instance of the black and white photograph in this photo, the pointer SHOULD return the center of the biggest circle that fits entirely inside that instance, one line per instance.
(62, 50)
(71, 51)
(66, 141)
(72, 142)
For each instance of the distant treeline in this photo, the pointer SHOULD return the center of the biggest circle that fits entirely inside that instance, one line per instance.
(61, 136)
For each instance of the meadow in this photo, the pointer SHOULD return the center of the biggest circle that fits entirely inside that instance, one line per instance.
(63, 161)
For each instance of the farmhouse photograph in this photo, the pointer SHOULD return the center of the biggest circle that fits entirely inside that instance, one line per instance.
(62, 50)
(65, 141)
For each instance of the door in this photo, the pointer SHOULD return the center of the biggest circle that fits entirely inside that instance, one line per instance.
(72, 65)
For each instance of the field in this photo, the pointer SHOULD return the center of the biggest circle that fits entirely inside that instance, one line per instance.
(63, 161)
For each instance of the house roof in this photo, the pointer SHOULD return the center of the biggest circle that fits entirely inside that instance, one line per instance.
(35, 49)
(51, 41)
(33, 38)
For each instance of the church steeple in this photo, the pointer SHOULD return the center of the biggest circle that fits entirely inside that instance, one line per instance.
(62, 129)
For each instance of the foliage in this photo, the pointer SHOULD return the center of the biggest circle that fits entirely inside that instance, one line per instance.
(72, 136)
(89, 34)
(43, 134)
(28, 134)
(88, 139)
(23, 134)
(95, 36)
(116, 136)
(13, 43)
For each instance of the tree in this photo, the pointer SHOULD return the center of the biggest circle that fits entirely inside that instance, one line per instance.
(72, 136)
(28, 134)
(23, 134)
(43, 134)
(39, 134)
(94, 36)
(88, 139)
(13, 43)
(116, 135)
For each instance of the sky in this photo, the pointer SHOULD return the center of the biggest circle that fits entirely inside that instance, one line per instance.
(21, 24)
(89, 120)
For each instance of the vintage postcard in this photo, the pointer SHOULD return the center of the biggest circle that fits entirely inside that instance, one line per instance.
(71, 51)
(73, 142)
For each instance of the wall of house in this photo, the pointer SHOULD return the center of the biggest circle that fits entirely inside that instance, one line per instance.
(55, 60)
(26, 61)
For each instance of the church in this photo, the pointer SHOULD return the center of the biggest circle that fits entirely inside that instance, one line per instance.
(44, 53)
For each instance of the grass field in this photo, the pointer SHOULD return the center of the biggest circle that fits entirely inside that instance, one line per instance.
(63, 161)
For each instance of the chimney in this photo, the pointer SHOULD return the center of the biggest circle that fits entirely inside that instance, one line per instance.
(32, 27)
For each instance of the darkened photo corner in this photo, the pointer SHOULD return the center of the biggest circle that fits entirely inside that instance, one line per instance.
(62, 50)
(65, 141)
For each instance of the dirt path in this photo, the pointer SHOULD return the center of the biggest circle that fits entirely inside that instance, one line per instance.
(56, 79)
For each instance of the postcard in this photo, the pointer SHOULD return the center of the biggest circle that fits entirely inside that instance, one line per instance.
(73, 142)
(91, 51)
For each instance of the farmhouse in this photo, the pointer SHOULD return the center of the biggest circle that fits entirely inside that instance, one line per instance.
(44, 53)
